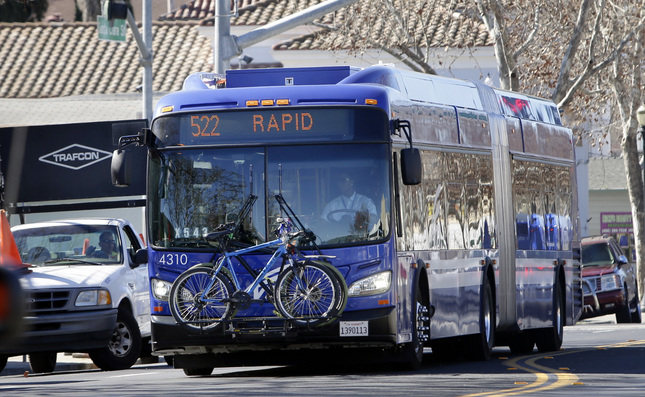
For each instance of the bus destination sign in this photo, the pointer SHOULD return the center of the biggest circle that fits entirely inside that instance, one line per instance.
(265, 125)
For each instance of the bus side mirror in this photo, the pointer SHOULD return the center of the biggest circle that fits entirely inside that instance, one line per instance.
(411, 166)
(120, 169)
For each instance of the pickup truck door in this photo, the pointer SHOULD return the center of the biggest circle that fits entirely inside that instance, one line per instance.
(141, 295)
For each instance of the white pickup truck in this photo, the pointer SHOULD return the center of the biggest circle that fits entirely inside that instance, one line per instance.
(86, 290)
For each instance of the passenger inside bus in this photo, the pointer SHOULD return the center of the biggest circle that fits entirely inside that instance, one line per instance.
(351, 208)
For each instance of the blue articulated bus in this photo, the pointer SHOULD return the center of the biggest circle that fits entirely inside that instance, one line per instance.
(449, 208)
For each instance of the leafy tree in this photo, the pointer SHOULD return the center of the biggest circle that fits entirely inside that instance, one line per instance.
(23, 10)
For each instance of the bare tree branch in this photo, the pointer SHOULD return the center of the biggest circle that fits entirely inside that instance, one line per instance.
(530, 38)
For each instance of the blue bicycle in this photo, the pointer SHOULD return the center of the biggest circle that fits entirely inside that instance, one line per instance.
(308, 292)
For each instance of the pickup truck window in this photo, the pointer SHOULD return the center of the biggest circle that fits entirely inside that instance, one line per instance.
(80, 244)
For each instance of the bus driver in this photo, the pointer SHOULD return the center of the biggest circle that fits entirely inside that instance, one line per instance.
(350, 207)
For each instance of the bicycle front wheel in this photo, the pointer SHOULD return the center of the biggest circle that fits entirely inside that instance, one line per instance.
(196, 310)
(309, 294)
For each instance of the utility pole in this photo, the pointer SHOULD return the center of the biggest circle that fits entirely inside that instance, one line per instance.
(147, 61)
(222, 33)
(145, 49)
(112, 11)
(226, 46)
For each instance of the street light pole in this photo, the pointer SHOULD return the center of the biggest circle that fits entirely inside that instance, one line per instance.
(640, 116)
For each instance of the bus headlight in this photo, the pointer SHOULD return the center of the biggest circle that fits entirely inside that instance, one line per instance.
(160, 289)
(95, 297)
(372, 285)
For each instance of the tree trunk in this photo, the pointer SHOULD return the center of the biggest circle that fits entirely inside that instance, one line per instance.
(89, 9)
(636, 196)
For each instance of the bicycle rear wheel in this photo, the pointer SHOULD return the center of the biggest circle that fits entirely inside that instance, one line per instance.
(310, 294)
(186, 303)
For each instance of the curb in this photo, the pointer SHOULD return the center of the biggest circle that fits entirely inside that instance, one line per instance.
(20, 368)
(16, 365)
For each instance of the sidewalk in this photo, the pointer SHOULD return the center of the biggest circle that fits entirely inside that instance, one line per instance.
(18, 365)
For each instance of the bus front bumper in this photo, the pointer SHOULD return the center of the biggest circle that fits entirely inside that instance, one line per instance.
(171, 339)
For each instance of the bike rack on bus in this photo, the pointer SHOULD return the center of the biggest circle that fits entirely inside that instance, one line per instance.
(278, 326)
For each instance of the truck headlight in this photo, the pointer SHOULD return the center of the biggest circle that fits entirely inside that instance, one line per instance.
(95, 297)
(609, 282)
(372, 285)
(160, 289)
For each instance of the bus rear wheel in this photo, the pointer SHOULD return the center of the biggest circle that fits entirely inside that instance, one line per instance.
(550, 339)
(481, 344)
(522, 343)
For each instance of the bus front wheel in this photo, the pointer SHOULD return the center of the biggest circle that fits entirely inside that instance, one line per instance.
(411, 355)
(198, 371)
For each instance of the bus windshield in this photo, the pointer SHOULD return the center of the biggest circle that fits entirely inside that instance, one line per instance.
(339, 191)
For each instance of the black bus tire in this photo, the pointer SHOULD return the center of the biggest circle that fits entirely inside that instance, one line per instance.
(550, 339)
(411, 354)
(481, 344)
(198, 371)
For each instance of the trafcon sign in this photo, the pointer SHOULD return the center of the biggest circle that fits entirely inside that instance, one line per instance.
(75, 156)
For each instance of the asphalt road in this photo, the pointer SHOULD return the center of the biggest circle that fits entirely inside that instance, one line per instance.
(599, 358)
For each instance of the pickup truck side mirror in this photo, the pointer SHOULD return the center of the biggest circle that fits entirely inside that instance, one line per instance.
(140, 257)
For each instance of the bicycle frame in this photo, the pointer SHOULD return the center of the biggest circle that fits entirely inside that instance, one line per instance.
(227, 263)
(305, 299)
(284, 249)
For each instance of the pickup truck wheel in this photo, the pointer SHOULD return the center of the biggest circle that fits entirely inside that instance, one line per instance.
(623, 314)
(43, 362)
(636, 313)
(124, 347)
(3, 361)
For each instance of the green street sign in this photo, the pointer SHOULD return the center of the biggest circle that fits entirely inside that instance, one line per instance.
(113, 30)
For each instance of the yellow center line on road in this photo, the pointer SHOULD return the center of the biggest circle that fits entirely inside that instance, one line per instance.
(542, 373)
(540, 379)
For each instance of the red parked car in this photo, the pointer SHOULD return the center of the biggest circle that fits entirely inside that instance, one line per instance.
(609, 281)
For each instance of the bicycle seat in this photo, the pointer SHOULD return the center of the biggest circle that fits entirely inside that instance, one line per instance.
(302, 236)
(217, 236)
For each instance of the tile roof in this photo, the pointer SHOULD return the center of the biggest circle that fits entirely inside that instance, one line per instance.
(250, 12)
(41, 60)
(53, 60)
(448, 25)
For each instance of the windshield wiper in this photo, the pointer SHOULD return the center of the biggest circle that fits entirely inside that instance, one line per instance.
(190, 243)
(74, 260)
